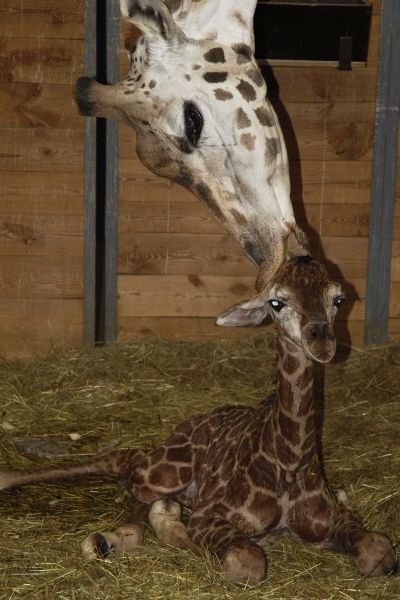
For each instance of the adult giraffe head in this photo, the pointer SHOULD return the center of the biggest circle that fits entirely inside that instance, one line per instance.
(197, 101)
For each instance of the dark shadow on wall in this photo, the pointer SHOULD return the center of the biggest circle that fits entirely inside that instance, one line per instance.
(300, 213)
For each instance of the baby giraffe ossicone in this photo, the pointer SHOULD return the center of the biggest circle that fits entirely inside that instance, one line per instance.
(246, 472)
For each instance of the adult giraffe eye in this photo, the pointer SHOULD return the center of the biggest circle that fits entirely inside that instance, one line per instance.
(193, 122)
(277, 305)
(339, 300)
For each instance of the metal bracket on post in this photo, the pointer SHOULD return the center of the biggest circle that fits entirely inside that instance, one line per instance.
(383, 176)
(101, 180)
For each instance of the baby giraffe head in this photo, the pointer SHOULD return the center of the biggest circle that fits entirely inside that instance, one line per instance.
(197, 101)
(302, 301)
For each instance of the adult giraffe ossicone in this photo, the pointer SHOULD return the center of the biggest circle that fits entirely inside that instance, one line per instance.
(197, 100)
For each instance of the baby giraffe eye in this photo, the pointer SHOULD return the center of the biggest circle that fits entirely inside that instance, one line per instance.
(193, 122)
(276, 305)
(339, 300)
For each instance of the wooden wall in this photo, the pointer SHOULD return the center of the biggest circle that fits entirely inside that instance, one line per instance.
(41, 176)
(177, 267)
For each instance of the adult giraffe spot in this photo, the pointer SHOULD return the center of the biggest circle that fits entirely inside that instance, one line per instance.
(215, 76)
(265, 116)
(240, 18)
(248, 140)
(223, 95)
(215, 55)
(244, 53)
(255, 75)
(272, 148)
(246, 90)
(242, 119)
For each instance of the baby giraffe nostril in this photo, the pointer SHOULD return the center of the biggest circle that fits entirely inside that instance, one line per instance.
(322, 331)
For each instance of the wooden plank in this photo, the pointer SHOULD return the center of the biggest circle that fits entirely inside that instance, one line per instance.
(28, 192)
(41, 277)
(41, 60)
(37, 326)
(181, 253)
(41, 19)
(41, 235)
(384, 176)
(190, 328)
(38, 105)
(41, 149)
(321, 84)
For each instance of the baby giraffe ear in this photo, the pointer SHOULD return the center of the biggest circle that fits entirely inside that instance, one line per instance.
(245, 314)
(152, 17)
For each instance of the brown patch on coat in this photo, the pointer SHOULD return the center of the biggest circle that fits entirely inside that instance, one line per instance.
(255, 75)
(223, 95)
(215, 55)
(243, 51)
(248, 140)
(246, 90)
(215, 76)
(242, 119)
(265, 116)
(272, 148)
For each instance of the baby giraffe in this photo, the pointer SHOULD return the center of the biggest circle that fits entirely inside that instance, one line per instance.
(246, 472)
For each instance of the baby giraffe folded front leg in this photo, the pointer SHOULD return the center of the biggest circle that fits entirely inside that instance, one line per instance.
(240, 559)
(165, 518)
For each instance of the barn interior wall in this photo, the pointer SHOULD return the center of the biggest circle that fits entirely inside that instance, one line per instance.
(41, 176)
(177, 268)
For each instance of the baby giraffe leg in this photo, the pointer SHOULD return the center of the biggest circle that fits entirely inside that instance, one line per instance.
(372, 551)
(165, 518)
(123, 539)
(330, 523)
(240, 558)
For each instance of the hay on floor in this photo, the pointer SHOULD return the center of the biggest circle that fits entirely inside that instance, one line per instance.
(72, 405)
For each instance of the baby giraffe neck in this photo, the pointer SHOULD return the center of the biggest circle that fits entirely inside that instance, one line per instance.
(294, 415)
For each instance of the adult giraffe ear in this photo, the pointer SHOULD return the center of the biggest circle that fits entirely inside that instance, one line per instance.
(227, 22)
(297, 243)
(152, 17)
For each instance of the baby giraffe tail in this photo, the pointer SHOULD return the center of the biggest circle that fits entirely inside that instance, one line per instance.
(115, 464)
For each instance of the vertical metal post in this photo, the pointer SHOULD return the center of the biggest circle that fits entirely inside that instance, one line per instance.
(101, 180)
(111, 183)
(90, 161)
(383, 176)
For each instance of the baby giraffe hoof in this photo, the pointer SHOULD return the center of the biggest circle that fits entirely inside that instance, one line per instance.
(374, 555)
(96, 545)
(245, 563)
(123, 539)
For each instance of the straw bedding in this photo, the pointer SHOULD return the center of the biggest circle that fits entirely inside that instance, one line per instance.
(73, 405)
